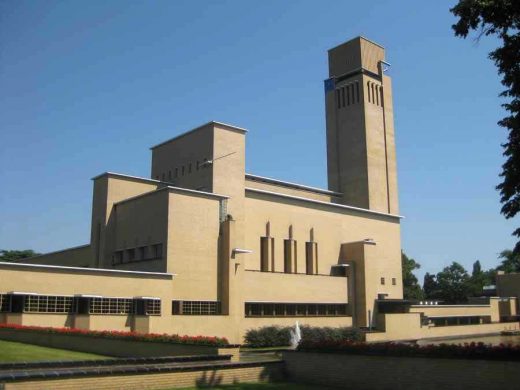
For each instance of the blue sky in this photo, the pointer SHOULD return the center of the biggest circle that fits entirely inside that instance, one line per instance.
(87, 86)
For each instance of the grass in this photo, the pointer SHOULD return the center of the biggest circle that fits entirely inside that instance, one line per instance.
(19, 352)
(265, 386)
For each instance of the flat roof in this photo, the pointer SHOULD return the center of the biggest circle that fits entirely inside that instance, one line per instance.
(236, 128)
(101, 271)
(291, 185)
(320, 202)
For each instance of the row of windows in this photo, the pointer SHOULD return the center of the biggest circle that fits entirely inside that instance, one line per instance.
(383, 281)
(204, 308)
(375, 93)
(290, 250)
(454, 321)
(183, 170)
(82, 305)
(149, 252)
(272, 309)
(347, 95)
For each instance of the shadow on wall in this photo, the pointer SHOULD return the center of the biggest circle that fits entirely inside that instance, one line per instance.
(214, 378)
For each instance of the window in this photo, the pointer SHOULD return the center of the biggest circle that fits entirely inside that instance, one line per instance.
(5, 303)
(275, 309)
(176, 172)
(111, 306)
(382, 281)
(394, 282)
(204, 308)
(47, 304)
(147, 306)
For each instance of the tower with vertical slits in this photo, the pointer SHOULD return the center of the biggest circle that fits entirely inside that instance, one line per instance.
(361, 161)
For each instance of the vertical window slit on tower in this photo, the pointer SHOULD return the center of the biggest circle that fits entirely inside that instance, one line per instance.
(342, 97)
(357, 91)
(377, 94)
(337, 98)
(368, 92)
(348, 95)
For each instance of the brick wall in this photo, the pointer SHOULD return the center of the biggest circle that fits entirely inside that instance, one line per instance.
(378, 372)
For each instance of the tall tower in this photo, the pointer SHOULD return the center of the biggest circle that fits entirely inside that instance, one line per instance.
(361, 160)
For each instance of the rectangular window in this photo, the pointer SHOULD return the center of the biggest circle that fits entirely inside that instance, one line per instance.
(203, 308)
(111, 306)
(5, 303)
(47, 304)
(275, 309)
(176, 172)
(148, 307)
(382, 281)
(394, 282)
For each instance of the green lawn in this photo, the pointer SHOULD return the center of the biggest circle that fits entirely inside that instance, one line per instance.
(265, 386)
(19, 352)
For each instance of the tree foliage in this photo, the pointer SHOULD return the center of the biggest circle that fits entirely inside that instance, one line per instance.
(501, 18)
(13, 255)
(411, 287)
(510, 261)
(452, 282)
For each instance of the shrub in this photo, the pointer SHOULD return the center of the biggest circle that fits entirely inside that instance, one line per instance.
(269, 336)
(278, 336)
(130, 336)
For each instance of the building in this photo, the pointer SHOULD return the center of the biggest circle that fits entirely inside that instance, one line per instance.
(202, 247)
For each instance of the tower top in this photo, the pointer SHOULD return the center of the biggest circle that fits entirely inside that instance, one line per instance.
(355, 55)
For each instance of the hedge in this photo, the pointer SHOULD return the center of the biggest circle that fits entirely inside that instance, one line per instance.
(130, 336)
(278, 336)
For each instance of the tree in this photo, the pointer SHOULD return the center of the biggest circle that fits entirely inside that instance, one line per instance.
(478, 280)
(13, 255)
(510, 261)
(453, 284)
(501, 18)
(430, 286)
(411, 287)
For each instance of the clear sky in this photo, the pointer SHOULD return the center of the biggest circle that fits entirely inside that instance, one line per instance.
(87, 86)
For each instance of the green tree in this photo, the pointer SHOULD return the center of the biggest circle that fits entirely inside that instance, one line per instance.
(453, 284)
(501, 18)
(411, 287)
(13, 255)
(478, 280)
(510, 261)
(430, 286)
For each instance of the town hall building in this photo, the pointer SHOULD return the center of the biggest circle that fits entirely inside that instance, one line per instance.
(203, 248)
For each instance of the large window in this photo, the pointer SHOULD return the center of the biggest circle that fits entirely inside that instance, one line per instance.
(275, 309)
(207, 308)
(111, 306)
(148, 306)
(48, 304)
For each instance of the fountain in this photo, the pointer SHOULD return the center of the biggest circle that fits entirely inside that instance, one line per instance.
(296, 336)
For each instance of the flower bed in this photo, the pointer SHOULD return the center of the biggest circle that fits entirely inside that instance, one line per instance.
(128, 336)
(454, 351)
